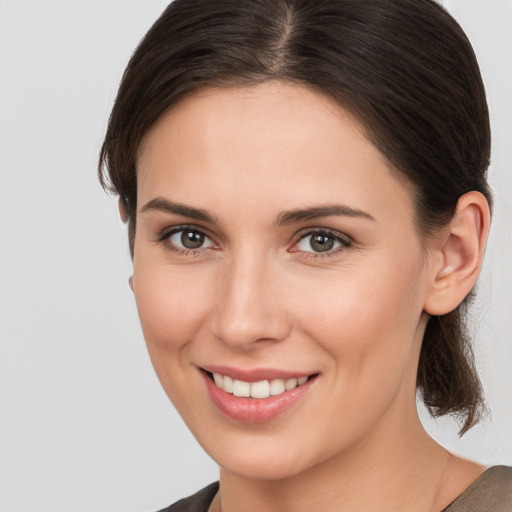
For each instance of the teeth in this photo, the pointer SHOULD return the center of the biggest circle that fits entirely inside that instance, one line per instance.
(227, 384)
(277, 387)
(241, 388)
(261, 389)
(219, 379)
(290, 384)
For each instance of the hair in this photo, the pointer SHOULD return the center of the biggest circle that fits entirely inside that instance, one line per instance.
(403, 68)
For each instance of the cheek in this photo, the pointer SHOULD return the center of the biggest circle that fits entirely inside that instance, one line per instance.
(368, 325)
(366, 320)
(172, 305)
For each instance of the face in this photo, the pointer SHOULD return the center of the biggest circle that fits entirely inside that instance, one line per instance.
(276, 255)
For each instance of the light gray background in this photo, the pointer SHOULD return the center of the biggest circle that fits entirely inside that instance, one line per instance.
(84, 425)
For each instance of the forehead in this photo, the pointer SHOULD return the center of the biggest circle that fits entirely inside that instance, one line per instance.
(271, 142)
(264, 114)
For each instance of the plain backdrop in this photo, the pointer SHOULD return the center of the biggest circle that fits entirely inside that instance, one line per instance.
(84, 425)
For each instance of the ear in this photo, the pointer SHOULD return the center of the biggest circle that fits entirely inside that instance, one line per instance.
(122, 210)
(459, 255)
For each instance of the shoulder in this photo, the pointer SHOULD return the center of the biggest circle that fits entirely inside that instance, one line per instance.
(198, 502)
(491, 491)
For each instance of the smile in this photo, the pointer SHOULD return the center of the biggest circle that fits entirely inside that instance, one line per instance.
(255, 396)
(260, 389)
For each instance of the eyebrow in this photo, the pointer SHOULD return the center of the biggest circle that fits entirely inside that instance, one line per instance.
(284, 218)
(164, 205)
(315, 212)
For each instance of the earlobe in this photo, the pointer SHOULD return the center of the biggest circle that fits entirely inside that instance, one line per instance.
(460, 253)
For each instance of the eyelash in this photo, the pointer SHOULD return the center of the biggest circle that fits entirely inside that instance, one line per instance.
(344, 241)
(164, 239)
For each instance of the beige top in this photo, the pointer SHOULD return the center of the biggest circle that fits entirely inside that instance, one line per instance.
(491, 492)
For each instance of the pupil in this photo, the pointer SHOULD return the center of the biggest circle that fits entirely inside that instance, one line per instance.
(192, 239)
(322, 243)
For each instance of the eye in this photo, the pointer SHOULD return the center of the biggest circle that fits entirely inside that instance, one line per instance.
(187, 239)
(322, 241)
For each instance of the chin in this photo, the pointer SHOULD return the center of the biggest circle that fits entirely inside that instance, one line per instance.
(261, 459)
(261, 470)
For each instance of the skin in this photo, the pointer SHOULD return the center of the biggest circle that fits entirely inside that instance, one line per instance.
(257, 295)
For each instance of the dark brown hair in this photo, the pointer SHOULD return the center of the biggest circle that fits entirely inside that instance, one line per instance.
(403, 68)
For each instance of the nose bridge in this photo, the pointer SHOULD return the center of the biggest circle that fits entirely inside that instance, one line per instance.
(248, 308)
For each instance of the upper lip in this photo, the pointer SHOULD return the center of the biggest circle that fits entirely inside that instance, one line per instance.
(255, 374)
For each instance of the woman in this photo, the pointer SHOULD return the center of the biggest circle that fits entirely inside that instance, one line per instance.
(305, 190)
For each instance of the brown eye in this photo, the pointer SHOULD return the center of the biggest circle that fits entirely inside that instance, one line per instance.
(189, 239)
(192, 239)
(322, 242)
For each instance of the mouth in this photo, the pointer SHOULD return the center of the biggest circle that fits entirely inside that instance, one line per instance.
(255, 399)
(260, 389)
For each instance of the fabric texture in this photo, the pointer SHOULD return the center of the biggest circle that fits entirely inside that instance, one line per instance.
(198, 502)
(491, 492)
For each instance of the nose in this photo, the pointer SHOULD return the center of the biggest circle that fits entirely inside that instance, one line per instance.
(250, 308)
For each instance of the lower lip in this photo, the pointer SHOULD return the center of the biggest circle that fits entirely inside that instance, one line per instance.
(254, 410)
